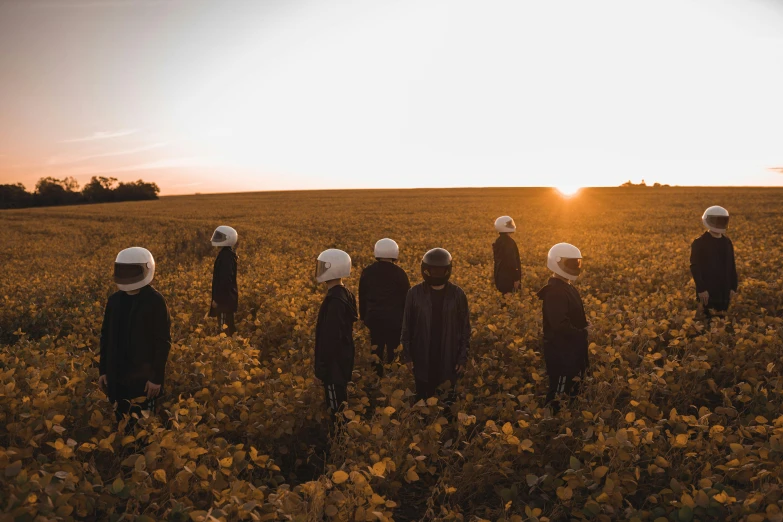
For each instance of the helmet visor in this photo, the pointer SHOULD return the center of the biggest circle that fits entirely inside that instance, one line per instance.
(321, 267)
(436, 272)
(127, 274)
(218, 237)
(571, 265)
(719, 222)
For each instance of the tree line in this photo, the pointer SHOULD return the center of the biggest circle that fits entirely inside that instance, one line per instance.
(51, 191)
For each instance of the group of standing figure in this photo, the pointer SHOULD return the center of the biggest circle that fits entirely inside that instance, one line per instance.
(431, 320)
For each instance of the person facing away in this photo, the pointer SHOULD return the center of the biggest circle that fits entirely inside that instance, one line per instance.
(712, 263)
(225, 295)
(565, 324)
(508, 268)
(383, 287)
(135, 335)
(435, 327)
(334, 345)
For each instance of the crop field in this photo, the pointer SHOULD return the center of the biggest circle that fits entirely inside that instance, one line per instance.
(680, 419)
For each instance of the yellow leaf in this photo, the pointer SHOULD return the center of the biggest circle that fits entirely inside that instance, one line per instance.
(565, 493)
(599, 472)
(379, 468)
(508, 429)
(411, 475)
(330, 510)
(160, 475)
(630, 417)
(338, 477)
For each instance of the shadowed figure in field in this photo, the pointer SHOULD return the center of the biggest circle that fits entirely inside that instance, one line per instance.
(712, 263)
(334, 344)
(135, 337)
(436, 327)
(565, 324)
(507, 268)
(383, 287)
(225, 295)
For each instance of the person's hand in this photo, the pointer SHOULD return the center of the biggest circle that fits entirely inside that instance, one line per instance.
(151, 389)
(517, 285)
(733, 294)
(410, 366)
(103, 382)
(214, 304)
(704, 297)
(458, 369)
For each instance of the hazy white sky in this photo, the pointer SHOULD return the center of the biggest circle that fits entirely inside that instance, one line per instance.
(280, 94)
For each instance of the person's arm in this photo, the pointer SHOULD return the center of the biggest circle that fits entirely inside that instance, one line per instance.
(223, 282)
(517, 264)
(556, 312)
(733, 268)
(463, 311)
(408, 321)
(696, 271)
(329, 339)
(105, 338)
(160, 338)
(363, 295)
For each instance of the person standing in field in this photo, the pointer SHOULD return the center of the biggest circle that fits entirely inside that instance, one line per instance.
(334, 344)
(383, 287)
(436, 327)
(135, 336)
(508, 269)
(225, 295)
(565, 324)
(712, 263)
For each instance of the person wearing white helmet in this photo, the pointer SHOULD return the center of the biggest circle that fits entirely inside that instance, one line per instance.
(135, 335)
(436, 327)
(507, 268)
(334, 344)
(712, 263)
(225, 295)
(382, 290)
(565, 324)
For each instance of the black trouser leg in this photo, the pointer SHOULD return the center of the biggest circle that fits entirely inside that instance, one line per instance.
(425, 390)
(226, 319)
(336, 395)
(560, 384)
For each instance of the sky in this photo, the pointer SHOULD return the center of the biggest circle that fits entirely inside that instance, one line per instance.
(239, 95)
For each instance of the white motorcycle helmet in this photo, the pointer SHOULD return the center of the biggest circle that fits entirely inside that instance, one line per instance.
(505, 224)
(387, 249)
(224, 236)
(332, 264)
(565, 260)
(134, 268)
(716, 219)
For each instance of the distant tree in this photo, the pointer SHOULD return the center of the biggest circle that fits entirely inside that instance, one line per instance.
(15, 196)
(100, 189)
(52, 191)
(136, 191)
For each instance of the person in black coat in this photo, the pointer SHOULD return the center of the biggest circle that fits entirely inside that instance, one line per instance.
(383, 287)
(135, 336)
(712, 263)
(334, 344)
(225, 295)
(436, 327)
(565, 324)
(507, 267)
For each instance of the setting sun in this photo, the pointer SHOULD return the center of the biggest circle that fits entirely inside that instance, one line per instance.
(567, 190)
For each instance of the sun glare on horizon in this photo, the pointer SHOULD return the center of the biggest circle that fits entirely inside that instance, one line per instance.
(567, 190)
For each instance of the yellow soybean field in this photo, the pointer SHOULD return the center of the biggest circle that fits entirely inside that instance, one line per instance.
(679, 420)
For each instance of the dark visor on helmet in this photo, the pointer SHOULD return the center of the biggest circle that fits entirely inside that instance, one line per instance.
(126, 274)
(321, 267)
(571, 266)
(718, 221)
(436, 271)
(218, 237)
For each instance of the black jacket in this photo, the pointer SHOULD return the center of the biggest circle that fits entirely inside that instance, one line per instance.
(382, 291)
(148, 344)
(224, 282)
(334, 347)
(416, 326)
(565, 329)
(508, 268)
(713, 267)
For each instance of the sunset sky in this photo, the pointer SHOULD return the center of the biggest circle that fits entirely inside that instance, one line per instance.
(218, 96)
